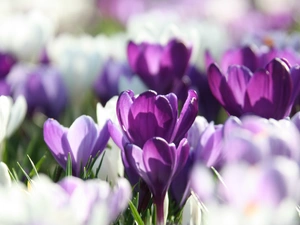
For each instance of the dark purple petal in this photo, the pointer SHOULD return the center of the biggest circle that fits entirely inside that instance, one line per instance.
(215, 80)
(82, 136)
(182, 153)
(295, 75)
(150, 115)
(159, 160)
(53, 136)
(187, 116)
(237, 80)
(245, 56)
(6, 63)
(269, 91)
(176, 56)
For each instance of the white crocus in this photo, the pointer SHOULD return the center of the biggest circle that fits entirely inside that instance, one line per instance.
(5, 179)
(157, 27)
(25, 35)
(78, 61)
(11, 115)
(112, 165)
(191, 212)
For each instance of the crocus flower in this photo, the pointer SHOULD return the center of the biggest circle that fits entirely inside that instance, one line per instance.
(5, 179)
(253, 139)
(12, 115)
(157, 163)
(84, 139)
(113, 78)
(268, 92)
(86, 197)
(42, 86)
(209, 106)
(162, 68)
(150, 115)
(6, 63)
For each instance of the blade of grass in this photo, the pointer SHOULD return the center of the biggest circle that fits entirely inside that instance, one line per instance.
(135, 214)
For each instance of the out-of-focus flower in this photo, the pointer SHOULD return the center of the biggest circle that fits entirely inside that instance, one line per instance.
(253, 57)
(6, 63)
(12, 115)
(5, 179)
(26, 35)
(253, 139)
(87, 197)
(72, 200)
(162, 68)
(209, 106)
(114, 77)
(42, 86)
(159, 27)
(267, 92)
(78, 61)
(265, 189)
(83, 140)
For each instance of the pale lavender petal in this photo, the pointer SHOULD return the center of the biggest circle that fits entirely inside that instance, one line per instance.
(101, 142)
(69, 184)
(53, 136)
(82, 136)
(123, 106)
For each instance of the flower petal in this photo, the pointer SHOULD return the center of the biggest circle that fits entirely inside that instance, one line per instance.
(187, 116)
(160, 161)
(150, 115)
(18, 113)
(82, 136)
(53, 136)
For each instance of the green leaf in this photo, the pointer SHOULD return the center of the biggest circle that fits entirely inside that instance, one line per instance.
(69, 166)
(36, 168)
(135, 214)
(26, 175)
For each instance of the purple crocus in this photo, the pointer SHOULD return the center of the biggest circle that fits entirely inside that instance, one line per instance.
(150, 116)
(107, 84)
(157, 163)
(6, 63)
(42, 86)
(268, 92)
(84, 139)
(162, 68)
(209, 106)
